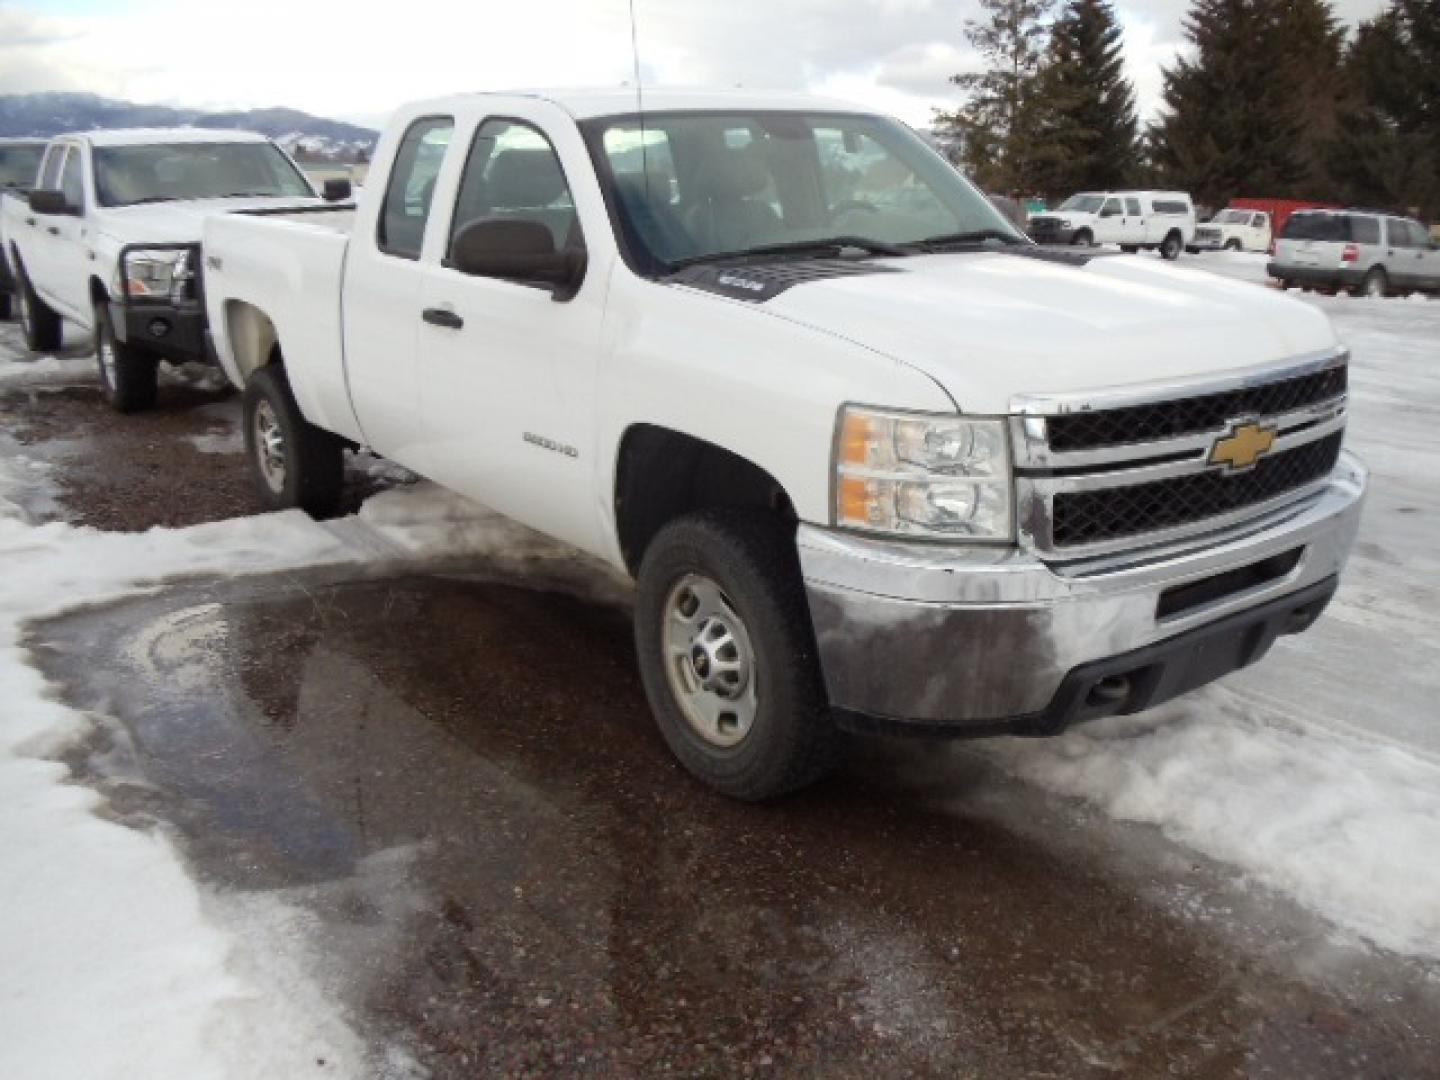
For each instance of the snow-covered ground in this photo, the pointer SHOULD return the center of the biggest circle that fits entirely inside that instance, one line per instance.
(1317, 771)
(116, 964)
(1316, 774)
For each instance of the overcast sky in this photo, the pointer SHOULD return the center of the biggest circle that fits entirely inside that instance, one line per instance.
(356, 60)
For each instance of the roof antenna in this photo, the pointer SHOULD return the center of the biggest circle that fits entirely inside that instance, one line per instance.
(639, 102)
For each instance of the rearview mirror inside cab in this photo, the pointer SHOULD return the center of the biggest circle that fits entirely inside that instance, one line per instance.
(517, 249)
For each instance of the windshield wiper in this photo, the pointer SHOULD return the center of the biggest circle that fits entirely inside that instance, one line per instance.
(247, 195)
(835, 244)
(151, 199)
(964, 239)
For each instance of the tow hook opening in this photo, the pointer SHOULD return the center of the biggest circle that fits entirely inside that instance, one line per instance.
(1108, 695)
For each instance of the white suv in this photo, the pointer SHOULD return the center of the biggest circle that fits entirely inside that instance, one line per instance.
(1132, 219)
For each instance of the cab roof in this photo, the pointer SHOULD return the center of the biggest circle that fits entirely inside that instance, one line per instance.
(155, 136)
(586, 104)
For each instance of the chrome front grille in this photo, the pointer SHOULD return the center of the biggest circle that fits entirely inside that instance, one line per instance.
(1097, 474)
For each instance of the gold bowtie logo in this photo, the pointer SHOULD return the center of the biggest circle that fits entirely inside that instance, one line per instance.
(1244, 446)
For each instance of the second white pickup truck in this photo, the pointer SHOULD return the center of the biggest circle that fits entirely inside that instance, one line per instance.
(876, 461)
(107, 239)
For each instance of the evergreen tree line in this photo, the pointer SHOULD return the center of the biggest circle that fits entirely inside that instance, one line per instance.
(1272, 98)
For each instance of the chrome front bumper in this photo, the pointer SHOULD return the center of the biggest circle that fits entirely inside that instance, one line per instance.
(978, 639)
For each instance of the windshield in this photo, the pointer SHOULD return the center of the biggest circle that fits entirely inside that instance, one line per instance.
(696, 185)
(126, 175)
(1238, 217)
(19, 165)
(1083, 204)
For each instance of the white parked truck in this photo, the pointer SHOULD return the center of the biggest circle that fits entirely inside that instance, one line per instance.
(1162, 220)
(106, 239)
(875, 460)
(19, 165)
(1234, 229)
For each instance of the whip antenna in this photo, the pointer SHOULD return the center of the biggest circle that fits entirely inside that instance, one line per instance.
(639, 103)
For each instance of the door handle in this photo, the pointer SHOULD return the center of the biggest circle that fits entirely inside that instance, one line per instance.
(53, 230)
(442, 317)
(30, 221)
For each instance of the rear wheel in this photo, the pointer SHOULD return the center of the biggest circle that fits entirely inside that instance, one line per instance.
(38, 321)
(1171, 246)
(727, 654)
(1376, 283)
(128, 375)
(293, 463)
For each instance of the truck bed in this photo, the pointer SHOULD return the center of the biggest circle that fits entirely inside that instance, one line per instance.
(289, 265)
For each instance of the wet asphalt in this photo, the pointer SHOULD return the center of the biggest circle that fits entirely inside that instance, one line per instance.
(453, 773)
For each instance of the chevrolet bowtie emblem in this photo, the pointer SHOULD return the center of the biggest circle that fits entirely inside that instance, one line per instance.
(1244, 446)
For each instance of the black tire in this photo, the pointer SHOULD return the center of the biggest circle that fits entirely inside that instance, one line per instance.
(1376, 283)
(311, 461)
(1232, 245)
(128, 376)
(7, 307)
(1083, 238)
(38, 321)
(750, 556)
(1172, 246)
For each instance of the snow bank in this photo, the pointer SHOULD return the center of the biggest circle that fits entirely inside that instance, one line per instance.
(112, 968)
(1318, 770)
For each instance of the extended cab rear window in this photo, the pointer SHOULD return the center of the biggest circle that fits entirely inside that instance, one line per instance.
(1171, 206)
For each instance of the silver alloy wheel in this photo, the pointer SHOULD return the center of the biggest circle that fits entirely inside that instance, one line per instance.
(269, 446)
(709, 661)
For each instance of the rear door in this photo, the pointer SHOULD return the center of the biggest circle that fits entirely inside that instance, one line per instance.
(508, 372)
(382, 288)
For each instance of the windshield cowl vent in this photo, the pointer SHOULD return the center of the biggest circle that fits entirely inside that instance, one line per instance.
(758, 284)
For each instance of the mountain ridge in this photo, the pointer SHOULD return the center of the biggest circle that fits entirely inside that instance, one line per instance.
(54, 113)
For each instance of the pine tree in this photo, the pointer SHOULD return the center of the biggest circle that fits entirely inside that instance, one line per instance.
(1387, 152)
(1087, 127)
(1235, 122)
(997, 127)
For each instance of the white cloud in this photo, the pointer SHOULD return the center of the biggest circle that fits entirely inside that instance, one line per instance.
(892, 54)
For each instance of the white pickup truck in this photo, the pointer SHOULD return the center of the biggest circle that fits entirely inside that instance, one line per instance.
(876, 461)
(1234, 229)
(107, 236)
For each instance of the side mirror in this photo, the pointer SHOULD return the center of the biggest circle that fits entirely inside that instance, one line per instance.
(49, 201)
(517, 249)
(336, 189)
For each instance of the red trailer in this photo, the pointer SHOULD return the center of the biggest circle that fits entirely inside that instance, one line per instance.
(1280, 211)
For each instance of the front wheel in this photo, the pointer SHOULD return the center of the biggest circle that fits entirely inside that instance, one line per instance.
(1171, 247)
(7, 307)
(727, 654)
(293, 463)
(1232, 245)
(128, 375)
(1083, 238)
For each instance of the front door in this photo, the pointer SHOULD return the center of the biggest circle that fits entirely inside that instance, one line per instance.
(508, 371)
(70, 266)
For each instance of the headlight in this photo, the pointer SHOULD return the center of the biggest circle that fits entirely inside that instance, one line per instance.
(155, 275)
(923, 475)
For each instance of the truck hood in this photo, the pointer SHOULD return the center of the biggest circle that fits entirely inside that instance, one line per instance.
(988, 326)
(177, 222)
